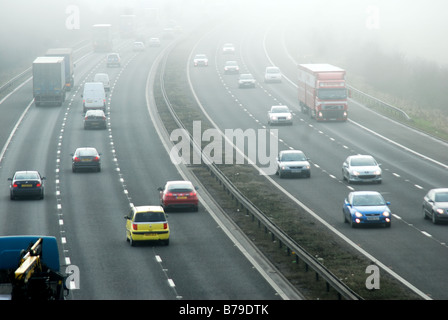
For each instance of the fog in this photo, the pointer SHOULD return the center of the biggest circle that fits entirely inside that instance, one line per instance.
(413, 28)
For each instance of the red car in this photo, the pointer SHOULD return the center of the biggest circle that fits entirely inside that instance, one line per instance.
(179, 195)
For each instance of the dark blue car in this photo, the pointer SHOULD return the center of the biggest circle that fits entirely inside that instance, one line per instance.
(366, 208)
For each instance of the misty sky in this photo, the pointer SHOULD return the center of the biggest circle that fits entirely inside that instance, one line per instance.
(414, 27)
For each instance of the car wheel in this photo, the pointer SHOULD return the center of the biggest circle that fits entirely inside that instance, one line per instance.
(344, 217)
(424, 214)
(166, 242)
(433, 218)
(131, 242)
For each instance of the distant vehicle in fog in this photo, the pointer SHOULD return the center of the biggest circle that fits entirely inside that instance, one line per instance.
(102, 37)
(138, 46)
(200, 60)
(154, 42)
(49, 81)
(228, 48)
(67, 53)
(113, 59)
(272, 74)
(231, 67)
(104, 78)
(322, 92)
(246, 80)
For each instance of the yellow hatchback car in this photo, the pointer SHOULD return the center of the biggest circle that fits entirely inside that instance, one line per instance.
(147, 223)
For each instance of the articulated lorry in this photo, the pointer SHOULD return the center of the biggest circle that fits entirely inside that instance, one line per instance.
(322, 92)
(67, 53)
(49, 86)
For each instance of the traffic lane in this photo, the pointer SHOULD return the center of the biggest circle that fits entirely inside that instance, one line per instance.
(222, 116)
(206, 265)
(30, 149)
(93, 207)
(187, 228)
(278, 47)
(95, 219)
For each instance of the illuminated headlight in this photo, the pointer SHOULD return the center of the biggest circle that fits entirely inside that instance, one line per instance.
(386, 213)
(440, 211)
(289, 117)
(358, 214)
(355, 173)
(377, 172)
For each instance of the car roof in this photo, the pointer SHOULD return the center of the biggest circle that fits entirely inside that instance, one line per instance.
(364, 192)
(94, 111)
(86, 148)
(27, 172)
(178, 182)
(360, 156)
(291, 151)
(148, 208)
(440, 189)
(280, 106)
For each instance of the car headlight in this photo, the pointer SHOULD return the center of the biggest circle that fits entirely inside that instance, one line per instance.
(355, 173)
(377, 172)
(440, 211)
(358, 214)
(386, 213)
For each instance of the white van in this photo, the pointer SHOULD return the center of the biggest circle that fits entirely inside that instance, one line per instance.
(93, 96)
(104, 78)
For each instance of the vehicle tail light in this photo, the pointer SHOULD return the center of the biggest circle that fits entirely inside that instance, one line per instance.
(192, 194)
(38, 184)
(134, 226)
(76, 159)
(15, 185)
(96, 158)
(165, 226)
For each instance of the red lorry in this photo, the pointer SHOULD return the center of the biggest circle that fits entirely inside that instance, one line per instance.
(322, 92)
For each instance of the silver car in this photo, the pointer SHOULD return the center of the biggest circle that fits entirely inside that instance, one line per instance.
(361, 168)
(279, 115)
(231, 67)
(272, 74)
(246, 80)
(228, 48)
(200, 60)
(435, 205)
(293, 162)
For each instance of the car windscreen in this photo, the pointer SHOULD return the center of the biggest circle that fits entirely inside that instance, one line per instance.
(363, 162)
(280, 110)
(368, 200)
(441, 197)
(87, 152)
(149, 217)
(180, 188)
(26, 175)
(293, 157)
